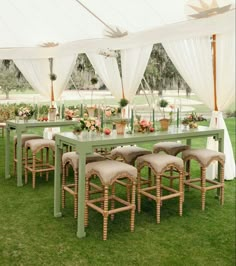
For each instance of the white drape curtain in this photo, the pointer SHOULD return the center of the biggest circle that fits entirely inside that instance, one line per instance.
(193, 59)
(133, 64)
(37, 71)
(108, 71)
(225, 73)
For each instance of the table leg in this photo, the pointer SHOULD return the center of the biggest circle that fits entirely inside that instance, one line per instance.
(57, 182)
(81, 195)
(7, 153)
(221, 149)
(19, 159)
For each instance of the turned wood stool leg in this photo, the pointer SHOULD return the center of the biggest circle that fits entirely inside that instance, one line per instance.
(203, 185)
(158, 198)
(132, 218)
(26, 165)
(63, 184)
(112, 200)
(222, 183)
(86, 201)
(181, 193)
(76, 193)
(105, 213)
(139, 187)
(33, 171)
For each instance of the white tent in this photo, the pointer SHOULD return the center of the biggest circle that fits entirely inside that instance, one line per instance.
(31, 31)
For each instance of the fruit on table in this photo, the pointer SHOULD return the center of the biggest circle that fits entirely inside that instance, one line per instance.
(107, 131)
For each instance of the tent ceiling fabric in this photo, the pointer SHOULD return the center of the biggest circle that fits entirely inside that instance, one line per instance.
(25, 25)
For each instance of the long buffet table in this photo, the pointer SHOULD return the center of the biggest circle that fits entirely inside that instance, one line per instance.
(21, 127)
(85, 145)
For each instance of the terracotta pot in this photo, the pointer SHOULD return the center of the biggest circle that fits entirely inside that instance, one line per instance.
(90, 111)
(164, 123)
(120, 128)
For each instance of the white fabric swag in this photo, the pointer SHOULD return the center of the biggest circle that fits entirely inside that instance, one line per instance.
(133, 64)
(193, 59)
(37, 71)
(107, 69)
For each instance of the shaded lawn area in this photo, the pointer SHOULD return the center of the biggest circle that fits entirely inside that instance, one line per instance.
(30, 235)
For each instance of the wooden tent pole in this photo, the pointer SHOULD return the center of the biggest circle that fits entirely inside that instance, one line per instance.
(214, 70)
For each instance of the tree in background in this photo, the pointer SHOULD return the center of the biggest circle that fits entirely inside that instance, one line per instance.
(11, 78)
(82, 74)
(161, 73)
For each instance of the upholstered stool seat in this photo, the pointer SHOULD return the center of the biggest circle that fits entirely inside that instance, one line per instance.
(109, 172)
(24, 138)
(204, 157)
(159, 163)
(171, 148)
(72, 158)
(44, 165)
(129, 154)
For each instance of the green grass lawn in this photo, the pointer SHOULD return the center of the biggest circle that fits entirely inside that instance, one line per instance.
(30, 235)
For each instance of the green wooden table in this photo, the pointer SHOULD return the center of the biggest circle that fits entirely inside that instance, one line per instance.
(85, 145)
(21, 127)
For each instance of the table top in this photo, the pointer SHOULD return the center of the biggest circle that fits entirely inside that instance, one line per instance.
(172, 133)
(36, 123)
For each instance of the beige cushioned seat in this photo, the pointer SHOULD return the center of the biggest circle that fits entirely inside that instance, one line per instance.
(37, 144)
(72, 158)
(159, 162)
(171, 148)
(203, 156)
(109, 171)
(128, 153)
(44, 165)
(26, 137)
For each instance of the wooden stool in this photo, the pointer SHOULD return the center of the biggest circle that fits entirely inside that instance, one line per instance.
(171, 148)
(204, 157)
(36, 145)
(129, 154)
(71, 159)
(159, 163)
(24, 138)
(109, 172)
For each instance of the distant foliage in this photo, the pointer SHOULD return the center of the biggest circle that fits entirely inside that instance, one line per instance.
(11, 78)
(231, 113)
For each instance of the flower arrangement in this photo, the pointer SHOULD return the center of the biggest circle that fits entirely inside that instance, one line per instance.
(143, 126)
(68, 114)
(24, 111)
(192, 119)
(89, 124)
(110, 111)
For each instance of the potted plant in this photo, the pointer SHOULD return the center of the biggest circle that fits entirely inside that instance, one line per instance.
(121, 124)
(93, 81)
(164, 121)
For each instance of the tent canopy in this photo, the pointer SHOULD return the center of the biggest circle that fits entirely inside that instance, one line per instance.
(81, 25)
